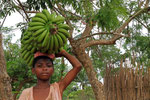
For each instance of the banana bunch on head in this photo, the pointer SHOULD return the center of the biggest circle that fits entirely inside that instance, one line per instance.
(46, 33)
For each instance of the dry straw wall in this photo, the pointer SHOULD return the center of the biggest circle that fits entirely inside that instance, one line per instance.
(127, 84)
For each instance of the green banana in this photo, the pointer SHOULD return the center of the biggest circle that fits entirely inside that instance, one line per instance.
(51, 43)
(41, 36)
(64, 26)
(34, 28)
(22, 41)
(31, 61)
(25, 37)
(38, 37)
(56, 51)
(58, 19)
(34, 44)
(50, 52)
(33, 49)
(23, 48)
(38, 32)
(46, 12)
(41, 15)
(39, 46)
(60, 41)
(52, 16)
(52, 26)
(63, 37)
(28, 59)
(65, 32)
(56, 44)
(43, 50)
(29, 47)
(60, 22)
(29, 34)
(60, 49)
(26, 55)
(36, 24)
(37, 19)
(23, 53)
(25, 33)
(48, 45)
(45, 41)
(38, 49)
(28, 41)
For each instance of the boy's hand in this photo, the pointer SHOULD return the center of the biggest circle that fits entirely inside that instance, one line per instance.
(61, 53)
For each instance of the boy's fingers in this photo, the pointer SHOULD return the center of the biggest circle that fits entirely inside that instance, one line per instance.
(52, 56)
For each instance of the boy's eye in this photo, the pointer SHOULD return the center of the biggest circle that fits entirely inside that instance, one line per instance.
(39, 65)
(49, 65)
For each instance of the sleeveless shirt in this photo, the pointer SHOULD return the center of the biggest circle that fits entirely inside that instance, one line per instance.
(54, 93)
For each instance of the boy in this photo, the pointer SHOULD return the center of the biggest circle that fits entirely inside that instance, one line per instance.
(43, 69)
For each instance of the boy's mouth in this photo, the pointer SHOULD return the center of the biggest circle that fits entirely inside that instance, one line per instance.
(44, 73)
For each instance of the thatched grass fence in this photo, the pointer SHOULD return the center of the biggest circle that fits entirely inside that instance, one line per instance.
(127, 84)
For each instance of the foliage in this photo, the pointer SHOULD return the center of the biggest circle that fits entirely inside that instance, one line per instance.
(140, 49)
(6, 8)
(108, 15)
(84, 94)
(102, 56)
(138, 44)
(103, 16)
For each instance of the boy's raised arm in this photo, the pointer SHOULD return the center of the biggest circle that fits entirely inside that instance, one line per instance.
(70, 76)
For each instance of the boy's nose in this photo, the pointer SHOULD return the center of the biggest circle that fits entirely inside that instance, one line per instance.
(44, 67)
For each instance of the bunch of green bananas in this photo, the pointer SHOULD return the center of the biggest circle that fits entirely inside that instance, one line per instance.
(46, 33)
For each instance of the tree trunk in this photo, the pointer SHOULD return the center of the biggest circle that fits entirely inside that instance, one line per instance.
(5, 81)
(97, 86)
(18, 89)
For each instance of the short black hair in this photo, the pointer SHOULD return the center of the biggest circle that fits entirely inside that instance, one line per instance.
(40, 57)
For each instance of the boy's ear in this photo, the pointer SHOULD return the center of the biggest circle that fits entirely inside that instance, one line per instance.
(33, 71)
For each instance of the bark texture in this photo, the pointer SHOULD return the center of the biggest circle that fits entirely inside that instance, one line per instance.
(5, 81)
(84, 58)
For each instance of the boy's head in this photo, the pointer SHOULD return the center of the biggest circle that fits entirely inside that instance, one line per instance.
(43, 66)
(39, 55)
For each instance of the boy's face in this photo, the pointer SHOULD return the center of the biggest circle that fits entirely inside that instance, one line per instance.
(43, 69)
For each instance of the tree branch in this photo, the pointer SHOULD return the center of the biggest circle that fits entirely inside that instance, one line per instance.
(78, 17)
(3, 21)
(122, 27)
(140, 4)
(102, 34)
(147, 3)
(17, 9)
(32, 11)
(141, 23)
(22, 15)
(62, 12)
(117, 32)
(24, 10)
(102, 42)
(94, 34)
(28, 11)
(86, 32)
